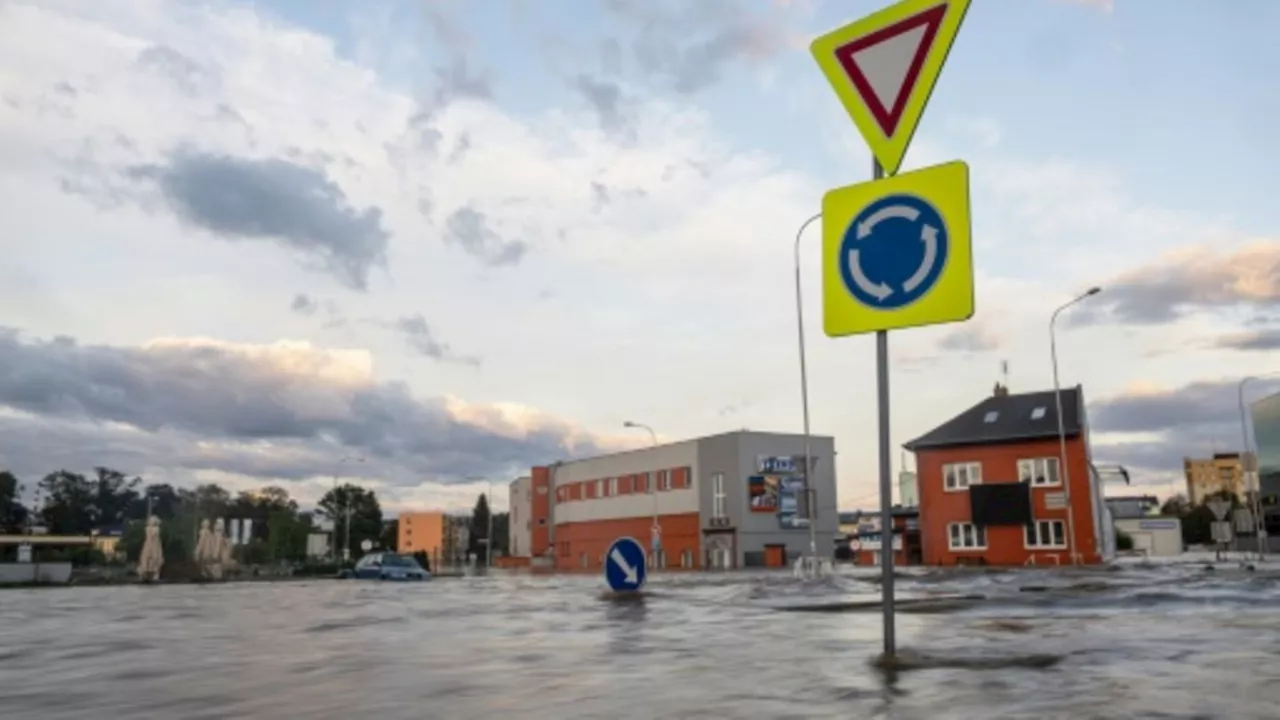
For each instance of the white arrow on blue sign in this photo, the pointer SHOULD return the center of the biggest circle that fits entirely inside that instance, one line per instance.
(624, 567)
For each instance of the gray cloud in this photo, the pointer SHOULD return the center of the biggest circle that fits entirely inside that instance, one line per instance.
(970, 337)
(186, 74)
(605, 98)
(690, 45)
(202, 405)
(1193, 420)
(1268, 339)
(469, 229)
(293, 205)
(304, 305)
(420, 337)
(456, 81)
(1189, 282)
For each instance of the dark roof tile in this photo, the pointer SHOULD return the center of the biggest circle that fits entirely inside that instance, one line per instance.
(1006, 418)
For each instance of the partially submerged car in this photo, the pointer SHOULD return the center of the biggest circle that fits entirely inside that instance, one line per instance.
(386, 566)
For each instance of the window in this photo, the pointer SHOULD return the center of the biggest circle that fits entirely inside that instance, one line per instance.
(664, 480)
(613, 486)
(599, 488)
(959, 476)
(1047, 534)
(717, 495)
(643, 479)
(966, 536)
(1037, 413)
(585, 560)
(991, 416)
(686, 559)
(1039, 471)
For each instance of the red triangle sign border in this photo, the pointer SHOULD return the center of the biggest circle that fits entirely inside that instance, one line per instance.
(888, 118)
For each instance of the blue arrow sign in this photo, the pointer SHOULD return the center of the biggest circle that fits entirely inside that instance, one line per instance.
(624, 567)
(893, 252)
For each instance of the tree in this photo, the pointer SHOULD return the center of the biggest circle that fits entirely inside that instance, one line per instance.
(68, 503)
(286, 534)
(260, 506)
(1177, 506)
(1197, 526)
(113, 495)
(390, 539)
(479, 527)
(164, 500)
(206, 501)
(358, 504)
(13, 514)
(501, 533)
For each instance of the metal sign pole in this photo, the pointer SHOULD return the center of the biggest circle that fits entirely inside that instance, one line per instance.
(886, 477)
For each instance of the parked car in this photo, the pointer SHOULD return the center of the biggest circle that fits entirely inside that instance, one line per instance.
(386, 566)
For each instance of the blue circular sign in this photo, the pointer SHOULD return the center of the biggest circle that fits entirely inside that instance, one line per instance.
(624, 565)
(893, 252)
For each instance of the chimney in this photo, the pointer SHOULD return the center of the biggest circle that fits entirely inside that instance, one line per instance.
(1000, 391)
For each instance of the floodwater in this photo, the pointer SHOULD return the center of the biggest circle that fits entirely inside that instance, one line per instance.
(1169, 641)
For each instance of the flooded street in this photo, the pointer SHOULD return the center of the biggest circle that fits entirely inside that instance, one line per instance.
(1167, 642)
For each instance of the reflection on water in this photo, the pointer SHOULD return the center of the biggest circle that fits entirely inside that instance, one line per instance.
(1172, 642)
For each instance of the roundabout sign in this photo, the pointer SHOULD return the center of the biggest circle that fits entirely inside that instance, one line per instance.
(893, 251)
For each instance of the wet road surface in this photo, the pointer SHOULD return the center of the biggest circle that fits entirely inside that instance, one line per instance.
(1157, 641)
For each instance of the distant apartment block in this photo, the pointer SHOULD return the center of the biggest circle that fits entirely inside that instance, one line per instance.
(1206, 476)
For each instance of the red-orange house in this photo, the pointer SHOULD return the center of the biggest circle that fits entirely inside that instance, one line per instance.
(993, 489)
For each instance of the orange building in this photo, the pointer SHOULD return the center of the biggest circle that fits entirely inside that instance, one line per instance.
(421, 532)
(992, 490)
(739, 499)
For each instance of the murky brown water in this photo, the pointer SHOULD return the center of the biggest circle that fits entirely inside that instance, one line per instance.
(1161, 642)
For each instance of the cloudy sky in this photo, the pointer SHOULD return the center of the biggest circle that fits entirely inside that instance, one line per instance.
(244, 241)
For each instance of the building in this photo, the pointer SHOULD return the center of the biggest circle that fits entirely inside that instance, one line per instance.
(719, 502)
(1266, 437)
(864, 537)
(1125, 508)
(908, 489)
(421, 531)
(1208, 476)
(991, 486)
(1153, 536)
(519, 517)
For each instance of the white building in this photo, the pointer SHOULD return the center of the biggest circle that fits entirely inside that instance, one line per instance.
(519, 520)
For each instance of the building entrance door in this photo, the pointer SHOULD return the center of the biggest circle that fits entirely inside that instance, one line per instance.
(775, 556)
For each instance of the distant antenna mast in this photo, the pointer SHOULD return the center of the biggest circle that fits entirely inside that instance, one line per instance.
(1004, 372)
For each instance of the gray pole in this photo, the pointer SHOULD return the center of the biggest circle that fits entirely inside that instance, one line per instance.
(655, 532)
(886, 478)
(804, 394)
(488, 545)
(1062, 433)
(1260, 527)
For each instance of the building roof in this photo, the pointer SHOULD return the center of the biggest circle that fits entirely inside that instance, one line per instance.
(1006, 418)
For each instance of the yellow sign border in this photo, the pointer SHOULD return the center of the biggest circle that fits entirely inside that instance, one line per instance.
(889, 151)
(951, 299)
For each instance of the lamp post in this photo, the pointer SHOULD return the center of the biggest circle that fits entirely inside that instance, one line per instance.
(1062, 432)
(655, 532)
(346, 505)
(1260, 526)
(804, 389)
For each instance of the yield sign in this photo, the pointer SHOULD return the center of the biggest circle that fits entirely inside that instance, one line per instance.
(884, 66)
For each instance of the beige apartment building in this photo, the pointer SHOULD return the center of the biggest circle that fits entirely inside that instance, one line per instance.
(1205, 476)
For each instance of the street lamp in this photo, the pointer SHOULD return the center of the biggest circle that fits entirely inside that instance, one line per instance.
(1062, 432)
(655, 532)
(346, 506)
(804, 388)
(1261, 526)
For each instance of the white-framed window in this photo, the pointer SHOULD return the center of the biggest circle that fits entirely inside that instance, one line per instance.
(613, 486)
(1039, 471)
(686, 559)
(717, 495)
(585, 560)
(643, 479)
(959, 476)
(664, 480)
(1047, 534)
(600, 488)
(966, 536)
